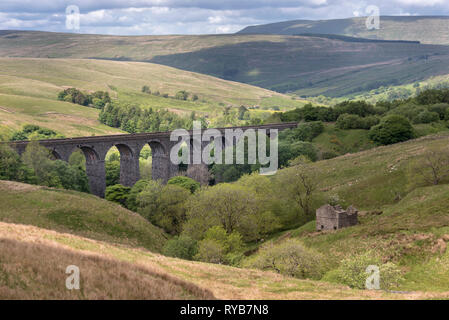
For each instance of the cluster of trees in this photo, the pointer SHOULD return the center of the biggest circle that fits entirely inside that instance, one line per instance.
(388, 121)
(180, 95)
(98, 99)
(34, 132)
(243, 212)
(134, 119)
(37, 167)
(292, 144)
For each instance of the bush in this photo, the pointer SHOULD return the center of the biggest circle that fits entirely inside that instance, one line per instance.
(12, 167)
(220, 247)
(182, 247)
(185, 182)
(163, 206)
(426, 117)
(233, 207)
(210, 251)
(351, 121)
(131, 202)
(352, 272)
(290, 258)
(392, 129)
(290, 151)
(182, 95)
(360, 108)
(112, 172)
(441, 108)
(117, 193)
(34, 132)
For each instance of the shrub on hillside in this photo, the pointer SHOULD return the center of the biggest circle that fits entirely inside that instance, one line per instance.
(185, 182)
(163, 206)
(433, 96)
(117, 193)
(182, 247)
(441, 108)
(112, 172)
(34, 132)
(182, 95)
(231, 206)
(217, 246)
(139, 186)
(290, 258)
(352, 121)
(289, 151)
(352, 272)
(426, 116)
(12, 168)
(392, 129)
(360, 108)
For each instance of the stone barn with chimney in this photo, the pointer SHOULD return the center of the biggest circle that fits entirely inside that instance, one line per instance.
(334, 217)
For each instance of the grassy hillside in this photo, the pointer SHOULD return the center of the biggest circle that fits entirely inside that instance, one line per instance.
(400, 220)
(77, 213)
(412, 230)
(426, 29)
(113, 272)
(29, 89)
(303, 64)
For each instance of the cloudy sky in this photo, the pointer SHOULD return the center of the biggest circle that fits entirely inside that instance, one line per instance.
(138, 17)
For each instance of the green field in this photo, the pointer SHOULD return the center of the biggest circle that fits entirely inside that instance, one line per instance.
(302, 64)
(29, 90)
(77, 213)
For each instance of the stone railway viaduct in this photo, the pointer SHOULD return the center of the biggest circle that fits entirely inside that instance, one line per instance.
(129, 145)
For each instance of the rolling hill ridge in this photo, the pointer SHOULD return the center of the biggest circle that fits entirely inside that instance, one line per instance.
(306, 65)
(426, 29)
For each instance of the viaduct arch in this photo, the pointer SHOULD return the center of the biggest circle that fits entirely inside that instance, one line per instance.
(129, 145)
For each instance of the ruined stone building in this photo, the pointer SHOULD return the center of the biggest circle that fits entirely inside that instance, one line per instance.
(334, 217)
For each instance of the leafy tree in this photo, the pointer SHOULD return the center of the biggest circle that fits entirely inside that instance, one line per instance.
(352, 272)
(12, 167)
(433, 96)
(290, 258)
(426, 116)
(392, 129)
(440, 108)
(164, 206)
(34, 132)
(139, 186)
(117, 193)
(185, 182)
(360, 108)
(300, 184)
(182, 247)
(112, 172)
(235, 208)
(38, 158)
(217, 246)
(352, 121)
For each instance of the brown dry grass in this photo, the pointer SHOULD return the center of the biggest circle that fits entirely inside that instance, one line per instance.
(35, 260)
(37, 271)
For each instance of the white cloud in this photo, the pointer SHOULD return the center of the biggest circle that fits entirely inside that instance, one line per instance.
(194, 16)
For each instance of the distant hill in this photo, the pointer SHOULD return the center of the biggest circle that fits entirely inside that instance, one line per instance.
(307, 65)
(426, 29)
(29, 88)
